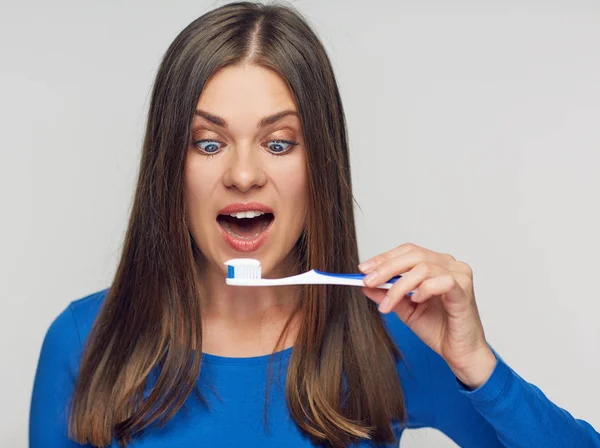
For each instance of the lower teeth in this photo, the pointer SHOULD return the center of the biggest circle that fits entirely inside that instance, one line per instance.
(231, 232)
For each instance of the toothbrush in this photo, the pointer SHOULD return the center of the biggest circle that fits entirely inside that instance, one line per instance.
(247, 272)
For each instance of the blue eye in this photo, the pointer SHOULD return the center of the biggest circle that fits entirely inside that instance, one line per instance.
(280, 146)
(208, 146)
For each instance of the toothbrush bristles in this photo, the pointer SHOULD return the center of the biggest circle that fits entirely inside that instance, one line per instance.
(243, 268)
(247, 272)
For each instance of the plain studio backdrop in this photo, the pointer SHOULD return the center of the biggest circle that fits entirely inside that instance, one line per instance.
(474, 130)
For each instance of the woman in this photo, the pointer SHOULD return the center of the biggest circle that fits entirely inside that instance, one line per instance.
(245, 155)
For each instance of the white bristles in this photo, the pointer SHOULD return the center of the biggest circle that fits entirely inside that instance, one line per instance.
(248, 272)
(244, 268)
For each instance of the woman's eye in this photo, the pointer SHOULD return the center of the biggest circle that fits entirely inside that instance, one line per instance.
(280, 146)
(208, 146)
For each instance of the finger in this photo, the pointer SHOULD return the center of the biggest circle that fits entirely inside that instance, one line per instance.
(368, 265)
(445, 286)
(400, 265)
(409, 281)
(465, 281)
(404, 309)
(375, 294)
(372, 263)
(463, 268)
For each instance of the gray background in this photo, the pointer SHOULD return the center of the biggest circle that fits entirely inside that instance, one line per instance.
(474, 130)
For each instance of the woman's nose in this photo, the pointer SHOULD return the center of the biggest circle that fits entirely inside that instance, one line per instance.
(243, 169)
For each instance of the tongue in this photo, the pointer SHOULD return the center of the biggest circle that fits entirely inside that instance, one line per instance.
(244, 227)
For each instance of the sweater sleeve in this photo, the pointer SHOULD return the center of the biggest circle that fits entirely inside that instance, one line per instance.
(519, 414)
(53, 384)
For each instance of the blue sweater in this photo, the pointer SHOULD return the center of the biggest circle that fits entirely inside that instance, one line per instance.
(506, 411)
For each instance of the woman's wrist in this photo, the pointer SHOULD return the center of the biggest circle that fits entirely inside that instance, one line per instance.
(478, 370)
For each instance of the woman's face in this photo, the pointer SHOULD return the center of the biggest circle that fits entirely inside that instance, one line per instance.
(245, 172)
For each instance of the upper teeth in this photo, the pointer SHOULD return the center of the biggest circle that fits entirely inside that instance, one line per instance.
(248, 214)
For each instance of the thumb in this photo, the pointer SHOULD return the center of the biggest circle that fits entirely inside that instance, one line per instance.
(375, 294)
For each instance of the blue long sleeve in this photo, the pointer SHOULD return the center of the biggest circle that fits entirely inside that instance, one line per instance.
(54, 381)
(519, 413)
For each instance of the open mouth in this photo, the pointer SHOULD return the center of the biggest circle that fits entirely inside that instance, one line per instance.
(245, 225)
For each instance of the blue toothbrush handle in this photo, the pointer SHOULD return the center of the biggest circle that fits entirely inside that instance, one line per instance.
(355, 276)
(359, 277)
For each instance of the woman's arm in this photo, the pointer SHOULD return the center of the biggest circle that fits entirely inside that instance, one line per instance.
(435, 298)
(518, 411)
(54, 381)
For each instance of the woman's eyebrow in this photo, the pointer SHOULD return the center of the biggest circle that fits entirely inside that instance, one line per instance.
(266, 121)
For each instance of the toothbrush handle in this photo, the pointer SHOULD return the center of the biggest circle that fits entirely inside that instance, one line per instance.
(312, 277)
(354, 279)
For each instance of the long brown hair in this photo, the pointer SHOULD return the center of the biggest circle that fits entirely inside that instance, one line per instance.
(342, 384)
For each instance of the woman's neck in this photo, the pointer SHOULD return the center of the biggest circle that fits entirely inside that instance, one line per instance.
(245, 321)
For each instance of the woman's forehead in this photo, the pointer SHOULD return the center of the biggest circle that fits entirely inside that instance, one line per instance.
(246, 89)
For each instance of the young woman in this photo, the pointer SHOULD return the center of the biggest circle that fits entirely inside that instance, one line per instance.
(246, 117)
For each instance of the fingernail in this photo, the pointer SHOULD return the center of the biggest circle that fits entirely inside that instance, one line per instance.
(366, 266)
(384, 305)
(369, 278)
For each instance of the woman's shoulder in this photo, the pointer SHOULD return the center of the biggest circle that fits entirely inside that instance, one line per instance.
(70, 328)
(85, 310)
(63, 342)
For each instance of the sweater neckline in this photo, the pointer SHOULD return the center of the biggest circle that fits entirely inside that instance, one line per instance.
(243, 361)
